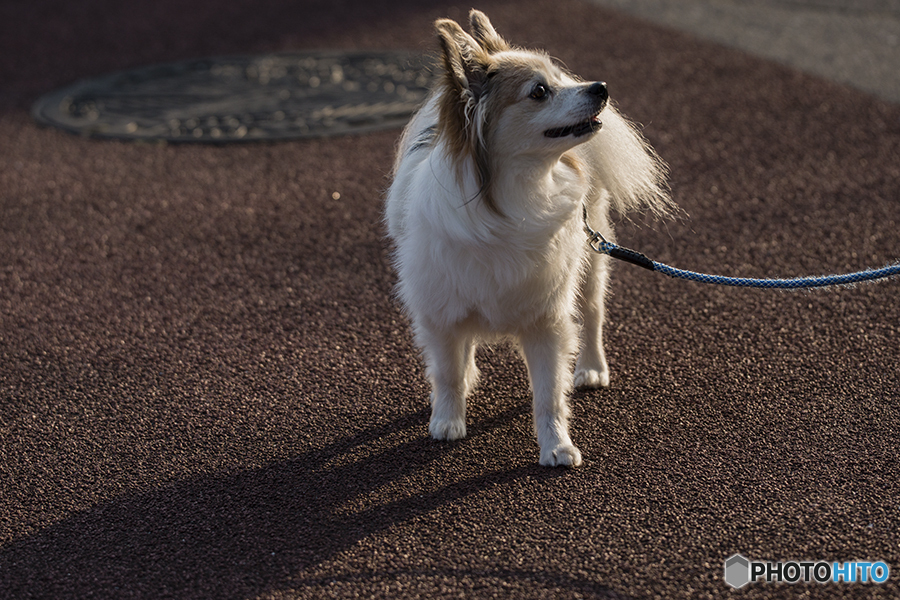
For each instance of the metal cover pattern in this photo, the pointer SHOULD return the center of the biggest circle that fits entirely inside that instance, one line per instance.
(244, 98)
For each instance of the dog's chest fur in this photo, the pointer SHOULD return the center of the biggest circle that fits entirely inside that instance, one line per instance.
(499, 273)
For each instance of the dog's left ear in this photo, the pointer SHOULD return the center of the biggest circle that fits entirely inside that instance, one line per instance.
(465, 61)
(485, 34)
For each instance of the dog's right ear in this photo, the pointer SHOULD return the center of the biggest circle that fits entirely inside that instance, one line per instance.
(465, 61)
(485, 33)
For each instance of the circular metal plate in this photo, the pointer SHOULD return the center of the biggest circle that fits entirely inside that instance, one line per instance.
(244, 98)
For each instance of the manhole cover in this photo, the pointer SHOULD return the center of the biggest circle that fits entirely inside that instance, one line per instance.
(271, 97)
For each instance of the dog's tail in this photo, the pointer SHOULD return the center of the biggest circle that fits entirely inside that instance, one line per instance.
(628, 168)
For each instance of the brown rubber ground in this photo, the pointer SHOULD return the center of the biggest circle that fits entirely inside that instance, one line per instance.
(207, 390)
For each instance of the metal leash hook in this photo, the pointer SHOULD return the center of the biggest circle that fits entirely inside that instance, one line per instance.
(600, 245)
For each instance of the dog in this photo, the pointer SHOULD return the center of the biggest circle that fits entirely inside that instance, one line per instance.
(484, 213)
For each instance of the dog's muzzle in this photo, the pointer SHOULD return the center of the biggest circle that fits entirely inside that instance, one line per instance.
(599, 96)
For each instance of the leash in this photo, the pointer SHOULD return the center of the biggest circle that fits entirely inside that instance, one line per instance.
(599, 244)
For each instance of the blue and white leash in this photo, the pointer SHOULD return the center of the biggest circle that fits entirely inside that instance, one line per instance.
(599, 244)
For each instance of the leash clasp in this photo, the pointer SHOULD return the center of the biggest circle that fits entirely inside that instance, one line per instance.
(599, 244)
(596, 240)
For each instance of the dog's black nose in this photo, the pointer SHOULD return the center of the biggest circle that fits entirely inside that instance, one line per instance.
(599, 90)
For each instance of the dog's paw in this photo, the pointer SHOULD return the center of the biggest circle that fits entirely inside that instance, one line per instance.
(591, 378)
(564, 455)
(449, 429)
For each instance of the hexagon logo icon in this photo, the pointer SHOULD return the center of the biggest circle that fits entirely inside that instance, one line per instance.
(737, 571)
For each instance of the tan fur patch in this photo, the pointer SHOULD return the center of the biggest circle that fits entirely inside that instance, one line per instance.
(571, 160)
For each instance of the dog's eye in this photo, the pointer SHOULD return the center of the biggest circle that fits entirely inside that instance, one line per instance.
(539, 92)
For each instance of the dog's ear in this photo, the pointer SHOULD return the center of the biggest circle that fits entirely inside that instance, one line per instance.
(485, 33)
(465, 61)
(462, 114)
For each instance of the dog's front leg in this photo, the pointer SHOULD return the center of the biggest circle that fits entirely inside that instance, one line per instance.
(450, 364)
(547, 350)
(591, 370)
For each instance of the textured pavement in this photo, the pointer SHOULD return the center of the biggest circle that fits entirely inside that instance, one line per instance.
(856, 42)
(207, 390)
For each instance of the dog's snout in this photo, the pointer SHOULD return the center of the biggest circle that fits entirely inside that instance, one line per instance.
(598, 90)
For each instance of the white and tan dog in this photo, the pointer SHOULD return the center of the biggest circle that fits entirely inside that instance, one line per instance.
(485, 211)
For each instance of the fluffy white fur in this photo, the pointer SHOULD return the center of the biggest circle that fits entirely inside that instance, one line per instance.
(485, 214)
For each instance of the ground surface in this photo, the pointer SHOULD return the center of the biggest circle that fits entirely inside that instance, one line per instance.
(207, 391)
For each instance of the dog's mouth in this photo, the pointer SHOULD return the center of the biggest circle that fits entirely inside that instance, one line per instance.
(577, 130)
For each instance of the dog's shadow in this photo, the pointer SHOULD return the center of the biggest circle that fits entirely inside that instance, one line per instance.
(243, 534)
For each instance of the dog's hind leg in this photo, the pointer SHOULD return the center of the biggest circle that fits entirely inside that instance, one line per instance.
(450, 363)
(547, 351)
(591, 369)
